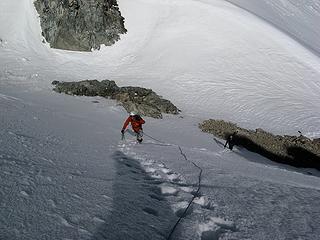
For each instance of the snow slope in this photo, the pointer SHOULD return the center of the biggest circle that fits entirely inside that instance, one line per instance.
(300, 18)
(210, 58)
(65, 173)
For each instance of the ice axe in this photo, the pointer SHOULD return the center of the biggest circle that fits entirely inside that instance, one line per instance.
(122, 135)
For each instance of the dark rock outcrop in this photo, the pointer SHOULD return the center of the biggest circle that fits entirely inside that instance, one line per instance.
(104, 88)
(80, 25)
(298, 151)
(142, 100)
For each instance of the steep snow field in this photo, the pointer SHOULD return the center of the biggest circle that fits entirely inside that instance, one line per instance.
(210, 58)
(299, 18)
(65, 173)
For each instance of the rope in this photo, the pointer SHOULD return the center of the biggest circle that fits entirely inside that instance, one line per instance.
(198, 189)
(159, 140)
(197, 166)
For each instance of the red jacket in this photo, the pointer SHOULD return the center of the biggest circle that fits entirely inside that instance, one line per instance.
(135, 123)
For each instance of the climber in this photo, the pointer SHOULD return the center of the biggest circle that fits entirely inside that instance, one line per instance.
(136, 123)
(230, 140)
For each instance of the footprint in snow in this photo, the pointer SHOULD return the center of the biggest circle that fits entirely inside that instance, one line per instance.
(155, 175)
(25, 181)
(187, 189)
(75, 196)
(106, 197)
(60, 219)
(74, 218)
(150, 170)
(168, 191)
(98, 220)
(52, 203)
(153, 180)
(166, 171)
(170, 174)
(76, 173)
(24, 193)
(47, 160)
(174, 177)
(214, 227)
(204, 202)
(156, 196)
(209, 230)
(151, 211)
(84, 233)
(161, 165)
(147, 162)
(134, 171)
(180, 207)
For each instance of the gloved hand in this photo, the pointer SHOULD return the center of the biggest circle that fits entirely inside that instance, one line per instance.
(122, 131)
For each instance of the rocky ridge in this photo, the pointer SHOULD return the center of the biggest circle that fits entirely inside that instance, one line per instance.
(141, 100)
(80, 25)
(298, 151)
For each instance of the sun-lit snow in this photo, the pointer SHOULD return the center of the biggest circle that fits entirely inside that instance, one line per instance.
(210, 58)
(65, 173)
(299, 18)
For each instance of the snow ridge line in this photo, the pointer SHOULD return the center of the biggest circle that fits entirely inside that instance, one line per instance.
(194, 195)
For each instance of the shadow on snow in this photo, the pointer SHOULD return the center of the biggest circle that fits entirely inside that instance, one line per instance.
(296, 156)
(139, 211)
